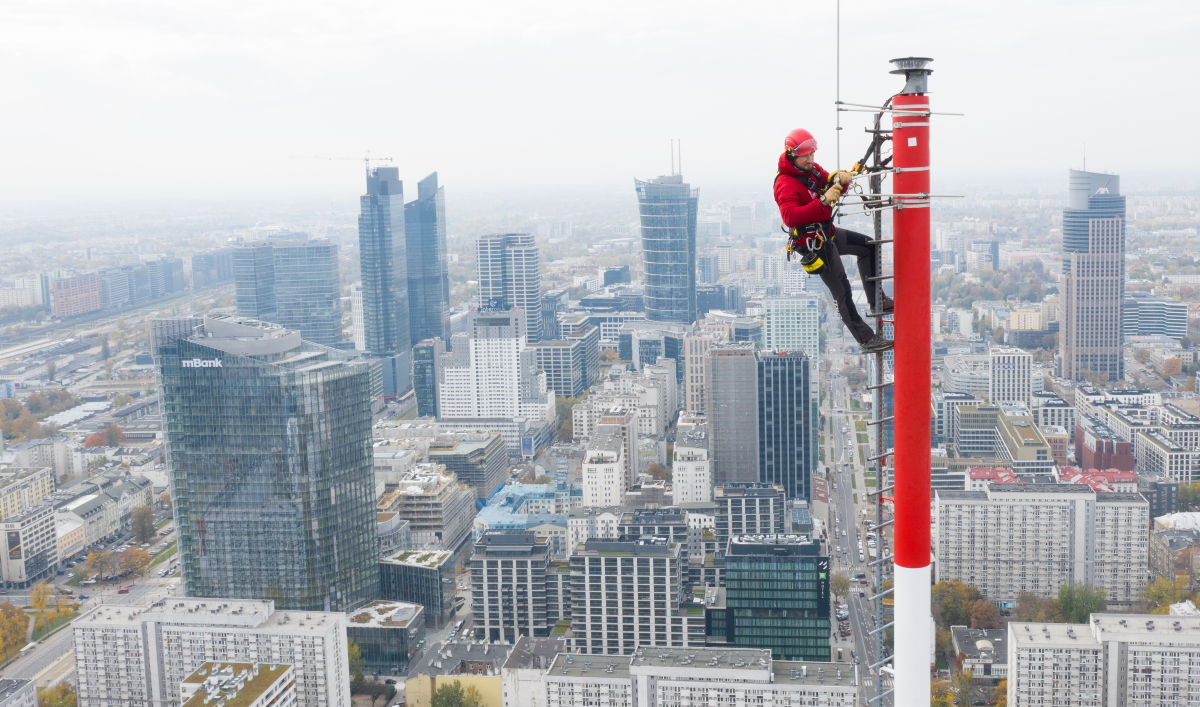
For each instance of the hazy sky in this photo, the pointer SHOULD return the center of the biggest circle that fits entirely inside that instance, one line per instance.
(136, 100)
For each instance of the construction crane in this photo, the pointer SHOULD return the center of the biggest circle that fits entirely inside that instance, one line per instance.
(366, 160)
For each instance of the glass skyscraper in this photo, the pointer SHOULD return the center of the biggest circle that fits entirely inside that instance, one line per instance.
(292, 281)
(428, 277)
(510, 275)
(785, 430)
(383, 263)
(1093, 267)
(668, 210)
(425, 362)
(269, 446)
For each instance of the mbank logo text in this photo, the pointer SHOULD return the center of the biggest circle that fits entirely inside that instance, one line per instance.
(202, 363)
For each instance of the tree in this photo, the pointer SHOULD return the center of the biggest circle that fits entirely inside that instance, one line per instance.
(51, 371)
(39, 598)
(1000, 693)
(1172, 367)
(985, 615)
(1189, 495)
(940, 694)
(99, 563)
(13, 624)
(142, 523)
(839, 584)
(355, 660)
(566, 431)
(96, 440)
(658, 471)
(134, 560)
(1142, 356)
(609, 356)
(121, 400)
(564, 406)
(953, 602)
(1077, 601)
(165, 498)
(963, 681)
(105, 353)
(1036, 609)
(455, 695)
(113, 435)
(61, 696)
(1160, 594)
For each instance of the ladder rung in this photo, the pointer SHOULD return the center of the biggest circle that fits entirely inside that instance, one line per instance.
(881, 385)
(885, 455)
(881, 420)
(880, 277)
(880, 242)
(881, 628)
(885, 489)
(884, 524)
(881, 594)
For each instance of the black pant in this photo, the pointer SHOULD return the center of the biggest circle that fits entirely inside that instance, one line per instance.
(834, 276)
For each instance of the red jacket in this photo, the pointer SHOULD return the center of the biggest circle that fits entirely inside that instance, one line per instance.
(799, 205)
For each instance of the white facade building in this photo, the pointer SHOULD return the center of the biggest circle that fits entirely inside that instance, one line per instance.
(585, 523)
(604, 479)
(18, 693)
(1010, 376)
(1015, 538)
(697, 677)
(691, 470)
(1117, 660)
(138, 656)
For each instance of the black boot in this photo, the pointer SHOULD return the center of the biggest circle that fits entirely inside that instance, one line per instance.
(877, 344)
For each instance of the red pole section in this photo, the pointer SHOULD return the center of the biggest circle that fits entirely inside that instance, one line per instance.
(910, 223)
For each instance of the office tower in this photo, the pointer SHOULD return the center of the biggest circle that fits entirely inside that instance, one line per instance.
(1094, 274)
(291, 281)
(733, 326)
(75, 295)
(491, 373)
(741, 220)
(555, 304)
(615, 275)
(588, 337)
(115, 288)
(691, 469)
(510, 276)
(477, 459)
(166, 276)
(356, 318)
(425, 577)
(162, 644)
(383, 267)
(792, 324)
(668, 215)
(638, 583)
(1015, 538)
(732, 408)
(269, 446)
(776, 596)
(437, 506)
(1113, 659)
(709, 269)
(1005, 433)
(210, 267)
(508, 586)
(749, 509)
(254, 280)
(426, 355)
(32, 541)
(563, 363)
(1145, 315)
(623, 423)
(787, 446)
(1011, 376)
(428, 278)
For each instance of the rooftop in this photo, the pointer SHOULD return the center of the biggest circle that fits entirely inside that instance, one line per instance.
(419, 558)
(231, 684)
(386, 614)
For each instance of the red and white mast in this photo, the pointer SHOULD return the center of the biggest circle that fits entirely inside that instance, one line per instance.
(910, 225)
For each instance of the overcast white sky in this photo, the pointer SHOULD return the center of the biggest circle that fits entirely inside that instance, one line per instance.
(153, 99)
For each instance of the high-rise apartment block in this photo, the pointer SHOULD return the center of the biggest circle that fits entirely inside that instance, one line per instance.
(776, 596)
(269, 446)
(624, 594)
(291, 280)
(510, 276)
(428, 277)
(1094, 273)
(691, 469)
(695, 370)
(792, 324)
(166, 276)
(604, 471)
(1115, 659)
(508, 586)
(668, 210)
(75, 295)
(1011, 376)
(1015, 538)
(383, 265)
(491, 373)
(138, 656)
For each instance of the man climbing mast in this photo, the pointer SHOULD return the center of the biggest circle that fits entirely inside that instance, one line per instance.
(806, 195)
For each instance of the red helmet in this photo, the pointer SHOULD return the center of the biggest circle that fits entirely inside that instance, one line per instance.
(799, 142)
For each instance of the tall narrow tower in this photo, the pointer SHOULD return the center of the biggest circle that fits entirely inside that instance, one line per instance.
(428, 279)
(1094, 274)
(668, 210)
(510, 275)
(383, 262)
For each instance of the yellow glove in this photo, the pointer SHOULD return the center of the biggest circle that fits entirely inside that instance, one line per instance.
(831, 195)
(841, 177)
